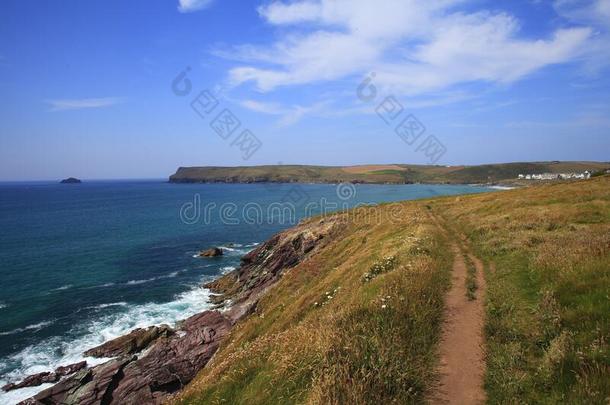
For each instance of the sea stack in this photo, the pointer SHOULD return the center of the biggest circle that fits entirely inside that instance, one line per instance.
(212, 252)
(70, 180)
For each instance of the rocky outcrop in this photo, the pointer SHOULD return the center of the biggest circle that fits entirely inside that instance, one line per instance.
(152, 364)
(70, 180)
(212, 252)
(264, 266)
(171, 361)
(33, 381)
(134, 342)
(46, 377)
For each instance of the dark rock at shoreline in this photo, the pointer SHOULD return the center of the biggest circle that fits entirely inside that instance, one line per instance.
(46, 377)
(63, 371)
(33, 381)
(89, 386)
(134, 342)
(263, 267)
(171, 362)
(70, 180)
(212, 252)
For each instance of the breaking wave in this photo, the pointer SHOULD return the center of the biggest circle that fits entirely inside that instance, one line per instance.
(68, 349)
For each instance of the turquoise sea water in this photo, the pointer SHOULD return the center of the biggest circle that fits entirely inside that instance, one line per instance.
(82, 264)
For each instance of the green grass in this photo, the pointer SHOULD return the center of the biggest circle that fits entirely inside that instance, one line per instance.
(547, 305)
(327, 334)
(322, 335)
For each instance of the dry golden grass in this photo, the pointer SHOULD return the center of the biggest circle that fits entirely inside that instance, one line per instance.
(326, 335)
(548, 304)
(323, 335)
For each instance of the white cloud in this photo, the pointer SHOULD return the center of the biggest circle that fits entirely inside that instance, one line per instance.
(263, 107)
(595, 13)
(414, 46)
(83, 103)
(188, 6)
(288, 115)
(586, 11)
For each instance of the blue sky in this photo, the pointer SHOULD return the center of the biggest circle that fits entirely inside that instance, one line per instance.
(87, 85)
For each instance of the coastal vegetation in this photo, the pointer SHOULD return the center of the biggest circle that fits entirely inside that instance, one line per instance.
(499, 297)
(394, 173)
(547, 251)
(360, 320)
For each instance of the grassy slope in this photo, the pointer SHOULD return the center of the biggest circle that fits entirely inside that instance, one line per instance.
(548, 305)
(407, 174)
(374, 342)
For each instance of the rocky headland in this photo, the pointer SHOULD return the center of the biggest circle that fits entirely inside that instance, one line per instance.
(149, 366)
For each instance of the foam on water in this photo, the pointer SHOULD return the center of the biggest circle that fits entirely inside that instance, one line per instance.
(16, 396)
(64, 350)
(227, 269)
(148, 280)
(62, 288)
(36, 327)
(112, 304)
(235, 250)
(3, 305)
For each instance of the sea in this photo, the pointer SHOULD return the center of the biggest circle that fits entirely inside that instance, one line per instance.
(81, 264)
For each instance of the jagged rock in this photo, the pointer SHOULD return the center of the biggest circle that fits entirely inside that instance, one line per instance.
(172, 361)
(33, 381)
(171, 365)
(46, 377)
(70, 369)
(212, 252)
(262, 267)
(92, 386)
(136, 341)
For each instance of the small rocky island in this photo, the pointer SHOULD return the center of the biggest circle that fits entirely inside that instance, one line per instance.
(212, 252)
(71, 180)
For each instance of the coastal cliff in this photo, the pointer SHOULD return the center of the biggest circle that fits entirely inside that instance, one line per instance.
(149, 365)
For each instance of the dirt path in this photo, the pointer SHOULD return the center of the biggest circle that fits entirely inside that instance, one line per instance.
(462, 362)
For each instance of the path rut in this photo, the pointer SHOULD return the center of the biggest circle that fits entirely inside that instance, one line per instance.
(462, 356)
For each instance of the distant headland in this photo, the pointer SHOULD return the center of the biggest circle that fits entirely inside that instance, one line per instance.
(501, 173)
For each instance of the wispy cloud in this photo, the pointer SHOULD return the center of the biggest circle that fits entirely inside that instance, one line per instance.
(594, 13)
(83, 103)
(263, 107)
(589, 117)
(414, 46)
(188, 6)
(288, 115)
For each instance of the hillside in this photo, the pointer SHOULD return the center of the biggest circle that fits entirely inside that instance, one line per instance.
(394, 173)
(498, 296)
(362, 318)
